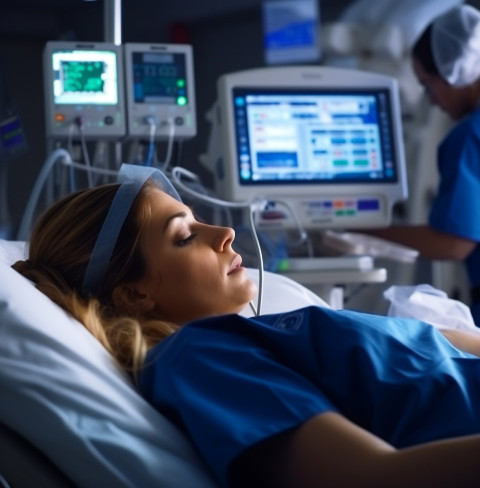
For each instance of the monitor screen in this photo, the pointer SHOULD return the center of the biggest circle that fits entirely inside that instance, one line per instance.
(325, 141)
(291, 31)
(322, 136)
(85, 77)
(159, 78)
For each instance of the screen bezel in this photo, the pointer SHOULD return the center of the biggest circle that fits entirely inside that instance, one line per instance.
(224, 163)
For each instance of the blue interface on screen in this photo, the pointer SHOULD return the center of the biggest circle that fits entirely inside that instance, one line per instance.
(325, 137)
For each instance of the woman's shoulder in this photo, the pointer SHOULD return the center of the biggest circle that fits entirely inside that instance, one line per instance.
(221, 331)
(271, 331)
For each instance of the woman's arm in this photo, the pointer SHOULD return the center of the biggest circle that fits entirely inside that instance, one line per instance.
(463, 340)
(331, 451)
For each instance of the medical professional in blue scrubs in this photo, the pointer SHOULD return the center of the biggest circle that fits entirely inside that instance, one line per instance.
(310, 398)
(446, 61)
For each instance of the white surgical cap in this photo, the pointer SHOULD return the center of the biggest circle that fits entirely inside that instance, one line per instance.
(456, 45)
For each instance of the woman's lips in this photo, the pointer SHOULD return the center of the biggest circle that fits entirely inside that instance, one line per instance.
(236, 264)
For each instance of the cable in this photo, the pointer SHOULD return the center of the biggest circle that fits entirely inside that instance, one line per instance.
(251, 214)
(152, 123)
(27, 217)
(100, 160)
(171, 139)
(303, 237)
(252, 207)
(176, 173)
(71, 129)
(58, 155)
(73, 181)
(226, 216)
(93, 169)
(79, 121)
(4, 483)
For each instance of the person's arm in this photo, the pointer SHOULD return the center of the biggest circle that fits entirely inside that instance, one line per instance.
(431, 243)
(463, 340)
(330, 451)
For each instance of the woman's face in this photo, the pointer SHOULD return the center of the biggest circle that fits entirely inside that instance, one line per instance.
(456, 102)
(192, 270)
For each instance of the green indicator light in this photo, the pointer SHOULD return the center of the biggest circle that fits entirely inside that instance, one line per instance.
(340, 213)
(181, 100)
(361, 162)
(181, 83)
(340, 162)
(350, 212)
(282, 265)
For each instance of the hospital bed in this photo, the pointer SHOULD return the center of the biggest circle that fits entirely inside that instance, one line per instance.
(69, 417)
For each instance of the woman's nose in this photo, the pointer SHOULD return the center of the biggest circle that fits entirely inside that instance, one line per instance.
(224, 237)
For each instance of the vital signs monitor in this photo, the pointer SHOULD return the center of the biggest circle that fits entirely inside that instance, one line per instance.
(84, 88)
(160, 90)
(326, 141)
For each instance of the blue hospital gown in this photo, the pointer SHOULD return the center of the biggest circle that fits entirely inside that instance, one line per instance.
(231, 382)
(456, 208)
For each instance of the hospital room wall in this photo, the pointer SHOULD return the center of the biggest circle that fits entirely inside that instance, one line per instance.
(25, 91)
(222, 43)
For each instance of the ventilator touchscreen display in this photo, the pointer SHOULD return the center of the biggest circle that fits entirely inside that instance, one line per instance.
(85, 77)
(327, 136)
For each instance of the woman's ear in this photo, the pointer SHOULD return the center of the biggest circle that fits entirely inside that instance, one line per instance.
(129, 297)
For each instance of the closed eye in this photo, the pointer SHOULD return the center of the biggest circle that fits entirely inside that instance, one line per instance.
(185, 242)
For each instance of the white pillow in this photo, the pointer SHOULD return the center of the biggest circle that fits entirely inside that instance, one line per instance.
(63, 392)
(11, 251)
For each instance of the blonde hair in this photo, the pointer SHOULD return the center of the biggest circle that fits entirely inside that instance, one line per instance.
(59, 251)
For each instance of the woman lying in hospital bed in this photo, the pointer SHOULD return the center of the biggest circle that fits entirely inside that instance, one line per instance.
(313, 397)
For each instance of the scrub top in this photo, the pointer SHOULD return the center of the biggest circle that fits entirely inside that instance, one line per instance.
(456, 209)
(230, 382)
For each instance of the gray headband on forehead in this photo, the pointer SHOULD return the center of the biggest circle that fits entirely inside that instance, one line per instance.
(132, 178)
